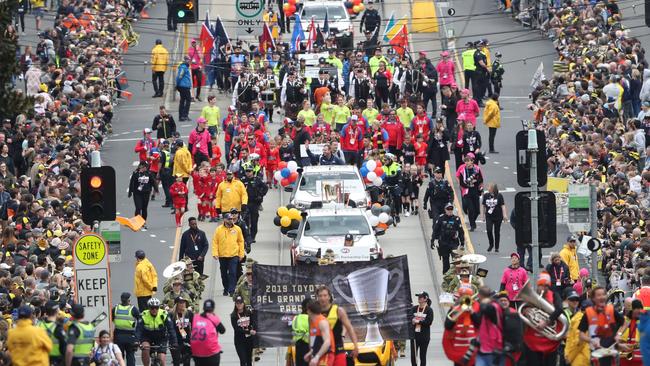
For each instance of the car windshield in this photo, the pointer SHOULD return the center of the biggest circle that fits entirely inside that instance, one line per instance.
(336, 225)
(313, 182)
(318, 12)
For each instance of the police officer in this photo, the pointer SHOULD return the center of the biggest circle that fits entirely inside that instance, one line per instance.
(155, 329)
(497, 73)
(438, 194)
(125, 316)
(481, 74)
(393, 171)
(448, 232)
(238, 220)
(54, 329)
(80, 338)
(370, 19)
(468, 64)
(256, 190)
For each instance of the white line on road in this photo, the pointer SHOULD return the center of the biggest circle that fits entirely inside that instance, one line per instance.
(496, 162)
(131, 139)
(171, 247)
(513, 97)
(152, 235)
(163, 241)
(137, 106)
(506, 167)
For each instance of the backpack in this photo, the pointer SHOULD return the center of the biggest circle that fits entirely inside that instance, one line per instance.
(513, 331)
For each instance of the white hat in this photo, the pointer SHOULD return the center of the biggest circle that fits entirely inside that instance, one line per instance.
(67, 272)
(147, 130)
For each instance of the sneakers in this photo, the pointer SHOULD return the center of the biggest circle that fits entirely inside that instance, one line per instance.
(144, 228)
(407, 213)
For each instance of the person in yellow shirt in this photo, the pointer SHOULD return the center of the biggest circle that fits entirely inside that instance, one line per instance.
(405, 113)
(145, 279)
(182, 161)
(159, 61)
(370, 113)
(38, 8)
(27, 344)
(570, 257)
(327, 110)
(307, 113)
(492, 119)
(228, 248)
(212, 115)
(231, 193)
(341, 113)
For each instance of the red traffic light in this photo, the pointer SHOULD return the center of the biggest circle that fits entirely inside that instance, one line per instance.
(95, 182)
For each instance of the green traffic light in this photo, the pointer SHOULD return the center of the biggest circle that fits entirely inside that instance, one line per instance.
(181, 13)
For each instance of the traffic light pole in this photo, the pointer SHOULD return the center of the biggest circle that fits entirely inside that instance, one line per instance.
(534, 197)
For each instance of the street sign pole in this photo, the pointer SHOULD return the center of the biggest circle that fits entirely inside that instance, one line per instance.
(532, 150)
(594, 227)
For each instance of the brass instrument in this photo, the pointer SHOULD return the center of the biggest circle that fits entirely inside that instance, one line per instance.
(629, 355)
(464, 305)
(535, 309)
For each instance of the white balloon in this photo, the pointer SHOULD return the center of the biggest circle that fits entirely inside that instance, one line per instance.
(384, 217)
(374, 220)
(378, 182)
(371, 176)
(292, 165)
(278, 176)
(369, 214)
(371, 165)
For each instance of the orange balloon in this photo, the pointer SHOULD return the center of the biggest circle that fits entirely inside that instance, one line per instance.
(381, 225)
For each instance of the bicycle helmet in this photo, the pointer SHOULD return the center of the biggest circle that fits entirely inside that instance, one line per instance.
(153, 303)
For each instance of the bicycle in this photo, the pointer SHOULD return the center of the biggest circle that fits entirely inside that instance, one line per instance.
(154, 353)
(389, 200)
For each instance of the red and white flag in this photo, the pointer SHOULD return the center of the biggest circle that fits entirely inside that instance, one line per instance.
(311, 38)
(400, 40)
(266, 39)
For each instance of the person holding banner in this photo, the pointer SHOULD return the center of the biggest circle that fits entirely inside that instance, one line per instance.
(339, 318)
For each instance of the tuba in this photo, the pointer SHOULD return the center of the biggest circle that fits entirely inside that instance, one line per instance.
(464, 305)
(535, 309)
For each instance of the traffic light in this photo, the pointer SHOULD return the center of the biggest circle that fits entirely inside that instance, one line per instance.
(523, 159)
(98, 200)
(546, 219)
(186, 11)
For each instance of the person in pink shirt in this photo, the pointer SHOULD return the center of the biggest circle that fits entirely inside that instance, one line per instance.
(513, 280)
(467, 107)
(206, 327)
(446, 71)
(200, 142)
(196, 60)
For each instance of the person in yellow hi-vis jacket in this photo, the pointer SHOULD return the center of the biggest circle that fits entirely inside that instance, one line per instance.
(159, 61)
(228, 248)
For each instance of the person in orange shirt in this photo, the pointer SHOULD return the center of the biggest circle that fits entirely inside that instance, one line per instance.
(321, 338)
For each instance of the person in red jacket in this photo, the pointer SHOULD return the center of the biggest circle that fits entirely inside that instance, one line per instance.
(200, 186)
(217, 175)
(178, 191)
(420, 153)
(421, 124)
(351, 139)
(144, 146)
(154, 168)
(395, 130)
(272, 160)
(216, 151)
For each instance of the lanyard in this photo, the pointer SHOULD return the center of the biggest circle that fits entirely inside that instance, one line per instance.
(557, 278)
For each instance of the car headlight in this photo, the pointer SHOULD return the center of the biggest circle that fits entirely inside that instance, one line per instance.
(306, 252)
(362, 204)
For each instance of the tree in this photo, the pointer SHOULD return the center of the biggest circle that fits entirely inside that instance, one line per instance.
(12, 100)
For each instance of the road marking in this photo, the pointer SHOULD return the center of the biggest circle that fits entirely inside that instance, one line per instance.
(496, 162)
(131, 139)
(459, 209)
(171, 247)
(152, 235)
(136, 106)
(515, 173)
(135, 163)
(163, 241)
(505, 190)
(513, 97)
(506, 167)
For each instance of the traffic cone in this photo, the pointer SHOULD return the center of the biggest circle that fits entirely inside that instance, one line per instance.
(144, 14)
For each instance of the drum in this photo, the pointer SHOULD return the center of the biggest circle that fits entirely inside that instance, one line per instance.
(267, 97)
(599, 354)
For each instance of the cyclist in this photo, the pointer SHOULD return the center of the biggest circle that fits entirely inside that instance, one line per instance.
(155, 329)
(393, 171)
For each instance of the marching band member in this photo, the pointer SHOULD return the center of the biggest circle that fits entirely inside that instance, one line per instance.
(628, 337)
(268, 84)
(244, 92)
(540, 350)
(292, 95)
(459, 329)
(643, 294)
(600, 324)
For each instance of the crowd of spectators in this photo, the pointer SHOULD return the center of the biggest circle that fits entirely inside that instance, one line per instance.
(595, 111)
(72, 76)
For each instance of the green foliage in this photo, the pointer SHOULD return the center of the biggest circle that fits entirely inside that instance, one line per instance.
(12, 101)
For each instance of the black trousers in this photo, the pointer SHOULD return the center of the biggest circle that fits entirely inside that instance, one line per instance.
(351, 157)
(171, 25)
(430, 97)
(141, 201)
(166, 180)
(469, 78)
(492, 135)
(471, 206)
(253, 218)
(142, 302)
(419, 347)
(199, 265)
(128, 350)
(197, 75)
(184, 103)
(213, 360)
(493, 231)
(444, 252)
(158, 81)
(539, 358)
(200, 157)
(20, 16)
(181, 355)
(244, 348)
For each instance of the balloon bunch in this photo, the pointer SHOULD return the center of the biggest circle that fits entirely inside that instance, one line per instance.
(372, 172)
(354, 6)
(379, 216)
(290, 7)
(287, 218)
(287, 173)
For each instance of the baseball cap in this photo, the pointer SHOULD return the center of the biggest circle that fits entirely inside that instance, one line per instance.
(77, 311)
(139, 254)
(348, 237)
(515, 255)
(449, 205)
(423, 294)
(572, 238)
(125, 296)
(147, 130)
(25, 312)
(208, 305)
(179, 299)
(239, 299)
(573, 296)
(437, 170)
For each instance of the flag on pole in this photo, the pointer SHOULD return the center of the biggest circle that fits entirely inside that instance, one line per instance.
(266, 39)
(297, 36)
(400, 41)
(311, 39)
(326, 25)
(396, 28)
(320, 38)
(207, 39)
(220, 35)
(389, 26)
